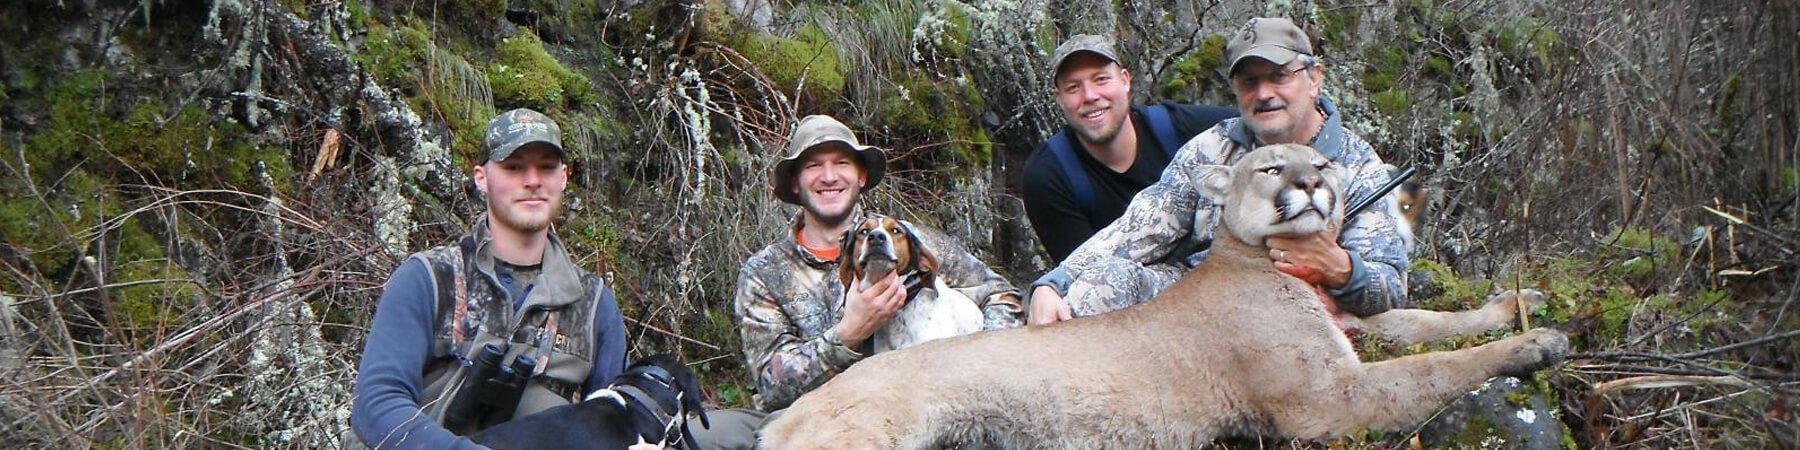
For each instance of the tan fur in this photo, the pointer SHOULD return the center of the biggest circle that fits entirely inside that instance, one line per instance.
(1235, 348)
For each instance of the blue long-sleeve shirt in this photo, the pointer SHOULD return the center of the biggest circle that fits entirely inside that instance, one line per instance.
(390, 381)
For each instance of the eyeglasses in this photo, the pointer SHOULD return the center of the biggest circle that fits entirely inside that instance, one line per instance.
(1279, 77)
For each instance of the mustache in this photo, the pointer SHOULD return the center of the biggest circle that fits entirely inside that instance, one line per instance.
(1268, 105)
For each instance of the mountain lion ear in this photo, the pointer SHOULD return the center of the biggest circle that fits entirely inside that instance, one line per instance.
(1215, 181)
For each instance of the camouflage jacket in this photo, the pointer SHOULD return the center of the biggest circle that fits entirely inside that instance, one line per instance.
(1169, 224)
(789, 302)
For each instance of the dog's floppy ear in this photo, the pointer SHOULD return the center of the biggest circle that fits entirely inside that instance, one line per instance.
(923, 259)
(847, 270)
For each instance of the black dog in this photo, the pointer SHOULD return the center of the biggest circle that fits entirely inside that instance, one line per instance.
(650, 400)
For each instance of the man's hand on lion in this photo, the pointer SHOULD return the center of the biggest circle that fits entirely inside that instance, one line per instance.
(866, 311)
(1314, 258)
(1047, 307)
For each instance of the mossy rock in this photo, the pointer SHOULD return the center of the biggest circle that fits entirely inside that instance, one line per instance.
(526, 76)
(157, 305)
(810, 57)
(393, 55)
(935, 111)
(1199, 71)
(186, 149)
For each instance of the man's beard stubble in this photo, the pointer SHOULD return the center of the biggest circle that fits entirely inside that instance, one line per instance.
(520, 224)
(832, 220)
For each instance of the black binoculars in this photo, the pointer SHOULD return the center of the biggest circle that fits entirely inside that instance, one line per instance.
(489, 393)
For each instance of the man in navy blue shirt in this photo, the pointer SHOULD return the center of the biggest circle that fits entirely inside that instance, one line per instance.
(508, 285)
(1081, 178)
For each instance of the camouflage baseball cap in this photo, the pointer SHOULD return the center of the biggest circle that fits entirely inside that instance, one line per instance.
(1092, 43)
(1274, 39)
(517, 128)
(816, 131)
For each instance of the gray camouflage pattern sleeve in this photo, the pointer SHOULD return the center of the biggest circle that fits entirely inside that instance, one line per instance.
(1375, 237)
(1122, 264)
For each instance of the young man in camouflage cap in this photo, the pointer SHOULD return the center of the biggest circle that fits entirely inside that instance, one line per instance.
(1081, 178)
(1167, 227)
(508, 283)
(800, 325)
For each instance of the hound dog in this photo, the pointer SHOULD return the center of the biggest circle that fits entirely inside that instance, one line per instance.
(648, 403)
(880, 245)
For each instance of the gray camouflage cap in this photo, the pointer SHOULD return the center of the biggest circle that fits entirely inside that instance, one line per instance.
(816, 131)
(517, 128)
(1274, 39)
(1092, 43)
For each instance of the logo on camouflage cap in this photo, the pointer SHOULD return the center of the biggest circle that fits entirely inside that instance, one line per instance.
(511, 130)
(1274, 39)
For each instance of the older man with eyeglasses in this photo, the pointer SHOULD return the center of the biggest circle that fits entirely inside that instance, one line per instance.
(1168, 227)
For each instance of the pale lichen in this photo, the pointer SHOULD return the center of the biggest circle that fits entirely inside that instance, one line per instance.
(393, 213)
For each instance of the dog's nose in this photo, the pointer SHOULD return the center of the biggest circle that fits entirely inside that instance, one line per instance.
(878, 237)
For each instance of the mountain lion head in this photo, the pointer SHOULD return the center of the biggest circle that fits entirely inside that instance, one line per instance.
(1277, 190)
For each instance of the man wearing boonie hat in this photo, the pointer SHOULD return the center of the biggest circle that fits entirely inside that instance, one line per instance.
(800, 326)
(510, 283)
(1081, 178)
(1276, 78)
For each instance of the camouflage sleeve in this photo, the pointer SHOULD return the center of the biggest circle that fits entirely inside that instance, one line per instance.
(999, 300)
(782, 364)
(1377, 245)
(1120, 256)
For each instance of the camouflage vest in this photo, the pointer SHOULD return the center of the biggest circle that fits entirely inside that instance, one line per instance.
(473, 309)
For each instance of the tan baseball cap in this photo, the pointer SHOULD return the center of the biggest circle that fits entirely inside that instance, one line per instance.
(817, 131)
(1274, 39)
(1091, 43)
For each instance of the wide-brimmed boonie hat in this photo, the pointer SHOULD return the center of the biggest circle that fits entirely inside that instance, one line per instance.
(819, 132)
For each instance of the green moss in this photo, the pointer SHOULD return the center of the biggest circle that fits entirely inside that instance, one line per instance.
(1479, 432)
(808, 57)
(525, 75)
(478, 10)
(1385, 66)
(186, 149)
(1454, 292)
(1528, 39)
(1338, 26)
(1438, 67)
(1392, 102)
(1790, 179)
(139, 257)
(1636, 252)
(1199, 69)
(394, 55)
(937, 111)
(1727, 111)
(357, 14)
(75, 104)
